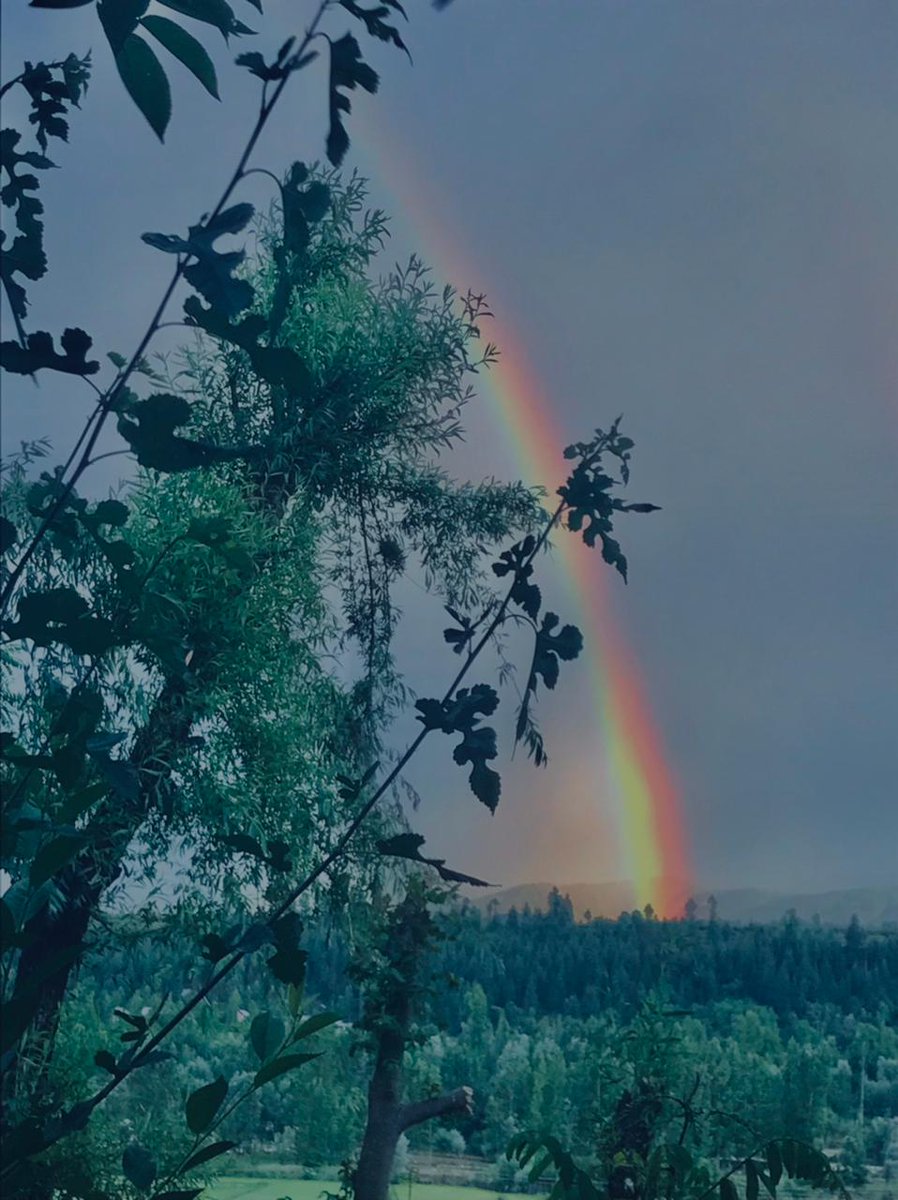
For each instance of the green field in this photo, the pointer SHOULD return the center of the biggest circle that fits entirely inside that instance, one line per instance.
(242, 1187)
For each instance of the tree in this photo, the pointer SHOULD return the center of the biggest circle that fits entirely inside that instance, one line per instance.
(233, 553)
(394, 979)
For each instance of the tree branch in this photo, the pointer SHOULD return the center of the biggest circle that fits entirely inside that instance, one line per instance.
(459, 1101)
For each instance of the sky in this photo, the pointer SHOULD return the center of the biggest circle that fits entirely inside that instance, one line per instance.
(685, 212)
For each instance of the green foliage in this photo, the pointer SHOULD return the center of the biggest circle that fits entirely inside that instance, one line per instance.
(671, 1171)
(562, 1068)
(536, 960)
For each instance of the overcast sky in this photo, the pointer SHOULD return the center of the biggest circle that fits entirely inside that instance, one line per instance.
(687, 212)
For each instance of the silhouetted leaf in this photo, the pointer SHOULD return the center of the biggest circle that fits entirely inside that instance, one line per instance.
(80, 713)
(9, 535)
(408, 845)
(550, 647)
(347, 71)
(25, 254)
(38, 354)
(476, 747)
(244, 844)
(245, 333)
(138, 1166)
(288, 963)
(108, 512)
(460, 713)
(119, 19)
(137, 1021)
(62, 615)
(478, 744)
(517, 560)
(212, 272)
(351, 789)
(279, 856)
(774, 1162)
(313, 1025)
(752, 1181)
(7, 925)
(204, 1103)
(266, 1035)
(146, 82)
(206, 1154)
(255, 64)
(283, 65)
(211, 12)
(374, 21)
(728, 1190)
(105, 1060)
(149, 428)
(54, 855)
(459, 638)
(281, 367)
(280, 1066)
(123, 776)
(302, 207)
(216, 947)
(185, 48)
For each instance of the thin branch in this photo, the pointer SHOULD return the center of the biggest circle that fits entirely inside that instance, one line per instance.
(263, 171)
(107, 454)
(53, 66)
(107, 405)
(459, 1101)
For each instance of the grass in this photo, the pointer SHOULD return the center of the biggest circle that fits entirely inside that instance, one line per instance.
(243, 1187)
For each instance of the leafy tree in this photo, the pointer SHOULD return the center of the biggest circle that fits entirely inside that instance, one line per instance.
(394, 976)
(169, 649)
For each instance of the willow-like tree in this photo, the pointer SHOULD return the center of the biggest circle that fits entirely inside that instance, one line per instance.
(217, 722)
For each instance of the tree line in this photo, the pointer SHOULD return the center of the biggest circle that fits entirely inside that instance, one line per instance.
(676, 1006)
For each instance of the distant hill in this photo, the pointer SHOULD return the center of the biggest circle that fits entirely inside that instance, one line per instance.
(874, 907)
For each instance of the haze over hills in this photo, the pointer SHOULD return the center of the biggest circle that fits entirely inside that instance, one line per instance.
(874, 907)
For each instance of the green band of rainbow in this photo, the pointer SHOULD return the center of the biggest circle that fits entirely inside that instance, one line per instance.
(630, 777)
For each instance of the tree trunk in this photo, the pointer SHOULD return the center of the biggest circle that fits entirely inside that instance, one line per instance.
(57, 933)
(382, 1130)
(388, 1117)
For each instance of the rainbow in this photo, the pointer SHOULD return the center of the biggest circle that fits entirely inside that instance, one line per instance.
(633, 779)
